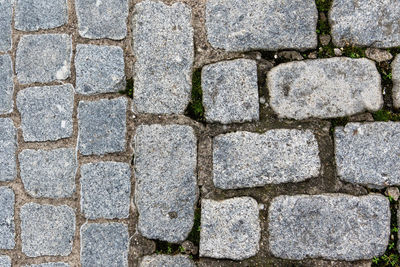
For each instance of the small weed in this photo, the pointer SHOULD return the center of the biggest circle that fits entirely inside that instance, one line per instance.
(353, 52)
(163, 247)
(128, 89)
(195, 109)
(386, 115)
(194, 235)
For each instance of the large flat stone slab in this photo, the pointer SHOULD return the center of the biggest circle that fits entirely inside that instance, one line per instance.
(166, 260)
(6, 84)
(244, 159)
(396, 81)
(242, 25)
(163, 46)
(324, 88)
(166, 188)
(331, 226)
(8, 147)
(5, 25)
(7, 225)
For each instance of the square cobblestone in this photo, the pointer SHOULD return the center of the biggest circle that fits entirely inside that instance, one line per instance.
(7, 226)
(46, 112)
(8, 146)
(5, 25)
(5, 261)
(105, 190)
(99, 69)
(6, 85)
(47, 230)
(102, 126)
(104, 245)
(43, 58)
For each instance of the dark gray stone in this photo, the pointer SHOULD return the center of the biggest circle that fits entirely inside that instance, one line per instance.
(166, 191)
(5, 261)
(230, 229)
(163, 46)
(6, 84)
(99, 69)
(46, 112)
(5, 25)
(8, 147)
(331, 226)
(49, 264)
(166, 261)
(396, 82)
(7, 226)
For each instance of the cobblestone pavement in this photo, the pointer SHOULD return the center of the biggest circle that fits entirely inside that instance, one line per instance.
(199, 132)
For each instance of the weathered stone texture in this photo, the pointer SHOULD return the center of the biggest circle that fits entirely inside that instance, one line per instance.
(6, 84)
(166, 261)
(49, 264)
(5, 25)
(5, 261)
(396, 81)
(8, 146)
(7, 226)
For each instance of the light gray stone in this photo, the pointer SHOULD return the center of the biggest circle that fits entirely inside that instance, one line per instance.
(166, 261)
(105, 190)
(5, 24)
(47, 230)
(5, 261)
(335, 226)
(7, 226)
(8, 147)
(324, 88)
(244, 159)
(102, 126)
(230, 91)
(104, 245)
(46, 112)
(164, 50)
(99, 69)
(6, 84)
(373, 23)
(230, 229)
(396, 82)
(242, 25)
(166, 189)
(393, 192)
(99, 19)
(368, 153)
(32, 15)
(378, 55)
(49, 264)
(43, 58)
(48, 173)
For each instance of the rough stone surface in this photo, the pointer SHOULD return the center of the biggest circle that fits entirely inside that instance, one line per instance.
(166, 261)
(102, 19)
(163, 46)
(244, 159)
(396, 81)
(49, 264)
(5, 25)
(336, 226)
(47, 230)
(6, 84)
(230, 91)
(105, 190)
(48, 173)
(242, 25)
(325, 39)
(102, 126)
(166, 190)
(104, 245)
(8, 146)
(7, 226)
(46, 112)
(368, 153)
(43, 58)
(5, 261)
(378, 55)
(365, 23)
(32, 15)
(230, 229)
(324, 88)
(99, 69)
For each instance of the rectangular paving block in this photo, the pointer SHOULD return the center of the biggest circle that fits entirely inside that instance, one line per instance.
(324, 88)
(244, 159)
(6, 84)
(164, 50)
(8, 147)
(166, 260)
(368, 153)
(396, 81)
(166, 188)
(242, 25)
(6, 7)
(7, 226)
(331, 226)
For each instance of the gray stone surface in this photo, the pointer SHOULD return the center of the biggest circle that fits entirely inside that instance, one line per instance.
(336, 226)
(102, 126)
(244, 159)
(365, 23)
(47, 230)
(49, 264)
(163, 46)
(99, 19)
(396, 81)
(5, 25)
(242, 25)
(6, 84)
(166, 189)
(7, 226)
(8, 147)
(324, 88)
(378, 55)
(166, 261)
(105, 190)
(32, 15)
(46, 112)
(104, 245)
(43, 58)
(5, 261)
(368, 153)
(230, 91)
(99, 69)
(230, 229)
(48, 173)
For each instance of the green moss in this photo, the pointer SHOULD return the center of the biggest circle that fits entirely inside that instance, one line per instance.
(327, 51)
(323, 5)
(353, 52)
(128, 89)
(195, 109)
(163, 247)
(194, 235)
(386, 115)
(338, 122)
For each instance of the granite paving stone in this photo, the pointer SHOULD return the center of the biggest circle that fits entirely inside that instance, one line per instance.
(164, 50)
(5, 261)
(7, 225)
(166, 261)
(8, 146)
(49, 264)
(166, 188)
(6, 7)
(6, 84)
(396, 81)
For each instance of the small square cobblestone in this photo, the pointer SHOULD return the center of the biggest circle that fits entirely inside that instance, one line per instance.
(8, 146)
(7, 226)
(6, 85)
